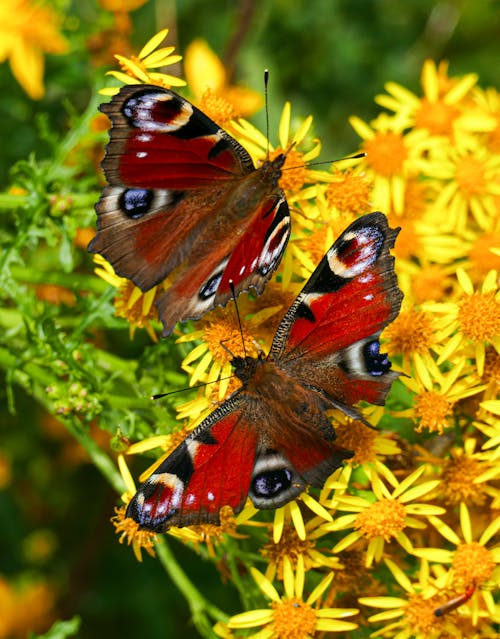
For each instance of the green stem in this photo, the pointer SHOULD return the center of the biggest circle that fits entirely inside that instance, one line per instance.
(41, 380)
(99, 458)
(200, 608)
(73, 281)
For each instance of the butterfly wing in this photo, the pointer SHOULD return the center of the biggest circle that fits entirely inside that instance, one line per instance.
(212, 468)
(329, 338)
(184, 196)
(249, 446)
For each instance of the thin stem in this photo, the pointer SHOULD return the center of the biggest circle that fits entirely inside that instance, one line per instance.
(200, 608)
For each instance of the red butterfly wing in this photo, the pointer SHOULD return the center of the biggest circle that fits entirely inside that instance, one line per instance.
(329, 336)
(160, 140)
(184, 197)
(212, 468)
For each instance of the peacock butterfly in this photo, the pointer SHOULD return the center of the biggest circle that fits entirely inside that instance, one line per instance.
(185, 200)
(271, 437)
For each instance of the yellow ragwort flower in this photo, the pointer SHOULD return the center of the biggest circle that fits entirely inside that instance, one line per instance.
(28, 30)
(436, 393)
(470, 323)
(390, 159)
(207, 80)
(472, 562)
(130, 302)
(413, 614)
(386, 518)
(137, 69)
(438, 111)
(468, 187)
(292, 616)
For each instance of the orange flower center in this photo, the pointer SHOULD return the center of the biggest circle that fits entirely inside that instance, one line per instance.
(384, 518)
(408, 244)
(429, 284)
(473, 563)
(293, 619)
(357, 437)
(479, 316)
(470, 177)
(481, 254)
(433, 410)
(436, 117)
(294, 171)
(458, 481)
(350, 194)
(217, 108)
(129, 532)
(411, 332)
(224, 339)
(420, 616)
(289, 545)
(386, 153)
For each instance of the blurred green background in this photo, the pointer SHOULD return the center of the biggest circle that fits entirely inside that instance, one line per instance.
(329, 58)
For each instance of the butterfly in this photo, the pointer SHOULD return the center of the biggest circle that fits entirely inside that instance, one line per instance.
(184, 200)
(271, 437)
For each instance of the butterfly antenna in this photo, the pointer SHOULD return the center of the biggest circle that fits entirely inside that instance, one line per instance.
(266, 103)
(182, 390)
(350, 157)
(233, 293)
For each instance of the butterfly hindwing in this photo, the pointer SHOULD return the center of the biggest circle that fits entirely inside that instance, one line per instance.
(185, 200)
(330, 335)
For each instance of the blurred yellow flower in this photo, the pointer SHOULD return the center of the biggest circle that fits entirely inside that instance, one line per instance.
(28, 30)
(292, 616)
(207, 79)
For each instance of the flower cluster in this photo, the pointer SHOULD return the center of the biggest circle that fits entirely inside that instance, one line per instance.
(411, 521)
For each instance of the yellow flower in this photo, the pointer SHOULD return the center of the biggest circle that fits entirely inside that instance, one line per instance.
(367, 444)
(208, 80)
(130, 302)
(468, 185)
(290, 546)
(136, 70)
(436, 393)
(390, 159)
(291, 616)
(465, 475)
(472, 562)
(29, 29)
(440, 108)
(386, 517)
(295, 173)
(127, 529)
(470, 323)
(413, 615)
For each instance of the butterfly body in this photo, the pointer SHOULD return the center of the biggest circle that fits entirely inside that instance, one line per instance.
(271, 437)
(185, 201)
